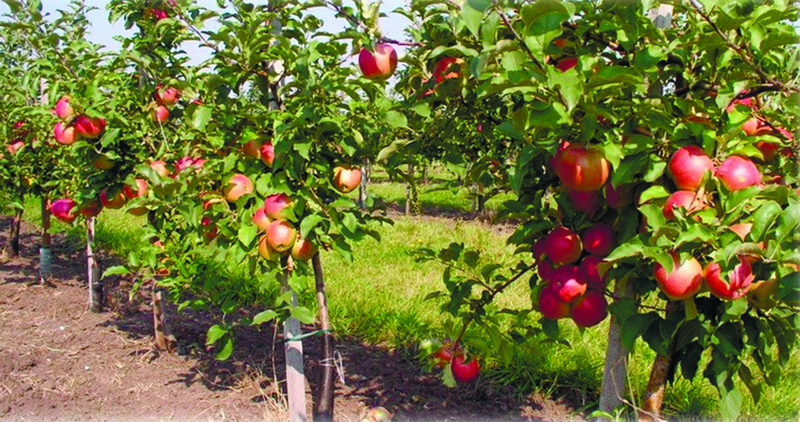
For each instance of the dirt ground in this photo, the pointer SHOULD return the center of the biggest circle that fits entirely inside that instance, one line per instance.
(58, 361)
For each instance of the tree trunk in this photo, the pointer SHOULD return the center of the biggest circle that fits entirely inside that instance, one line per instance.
(654, 395)
(362, 188)
(410, 189)
(95, 285)
(16, 226)
(323, 409)
(615, 372)
(293, 349)
(165, 341)
(45, 256)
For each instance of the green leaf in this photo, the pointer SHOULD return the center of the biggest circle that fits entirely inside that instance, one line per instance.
(247, 233)
(396, 119)
(472, 13)
(763, 220)
(731, 404)
(115, 270)
(388, 151)
(200, 117)
(224, 352)
(264, 316)
(302, 314)
(109, 137)
(215, 333)
(309, 223)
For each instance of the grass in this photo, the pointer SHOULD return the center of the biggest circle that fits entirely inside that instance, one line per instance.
(379, 298)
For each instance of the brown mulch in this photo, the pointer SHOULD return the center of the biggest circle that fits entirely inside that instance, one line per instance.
(59, 361)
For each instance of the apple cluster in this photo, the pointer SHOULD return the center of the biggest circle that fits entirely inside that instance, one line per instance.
(464, 369)
(164, 97)
(280, 235)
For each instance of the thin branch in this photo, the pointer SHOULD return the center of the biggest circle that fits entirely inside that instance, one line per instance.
(598, 38)
(353, 20)
(403, 43)
(510, 27)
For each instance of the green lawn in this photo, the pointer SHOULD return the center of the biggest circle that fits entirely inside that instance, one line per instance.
(380, 299)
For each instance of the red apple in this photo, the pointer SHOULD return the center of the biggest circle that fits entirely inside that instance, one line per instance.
(281, 235)
(681, 199)
(252, 148)
(768, 150)
(444, 354)
(160, 167)
(63, 108)
(63, 210)
(238, 186)
(566, 63)
(346, 179)
(90, 127)
(168, 96)
(141, 189)
(688, 166)
(620, 196)
(112, 198)
(593, 278)
(584, 201)
(582, 168)
(590, 310)
(265, 250)
(267, 153)
(102, 162)
(739, 280)
(188, 162)
(303, 249)
(91, 208)
(569, 283)
(545, 268)
(598, 239)
(15, 146)
(539, 249)
(563, 246)
(275, 204)
(738, 173)
(261, 220)
(65, 135)
(683, 282)
(158, 113)
(465, 371)
(550, 305)
(208, 228)
(447, 68)
(380, 65)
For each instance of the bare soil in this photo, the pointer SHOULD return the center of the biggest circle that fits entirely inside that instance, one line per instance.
(58, 361)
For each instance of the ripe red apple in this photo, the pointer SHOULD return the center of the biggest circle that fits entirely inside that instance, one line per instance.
(267, 153)
(538, 249)
(346, 179)
(188, 162)
(275, 204)
(563, 246)
(90, 127)
(160, 167)
(208, 228)
(444, 354)
(154, 13)
(768, 150)
(465, 371)
(619, 197)
(140, 190)
(582, 168)
(688, 166)
(751, 126)
(680, 199)
(566, 63)
(738, 172)
(63, 108)
(598, 239)
(63, 210)
(65, 135)
(252, 148)
(683, 282)
(265, 250)
(281, 235)
(15, 146)
(91, 208)
(112, 198)
(261, 220)
(545, 268)
(158, 113)
(569, 283)
(303, 249)
(590, 310)
(102, 162)
(550, 305)
(447, 68)
(584, 201)
(238, 186)
(739, 280)
(593, 278)
(167, 96)
(380, 65)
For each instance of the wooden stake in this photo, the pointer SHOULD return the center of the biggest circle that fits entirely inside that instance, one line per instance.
(165, 341)
(45, 256)
(323, 408)
(293, 349)
(95, 285)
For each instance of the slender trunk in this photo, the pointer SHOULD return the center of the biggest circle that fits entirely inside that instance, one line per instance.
(45, 256)
(16, 225)
(293, 349)
(654, 394)
(165, 341)
(95, 285)
(424, 176)
(323, 408)
(615, 372)
(409, 189)
(362, 188)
